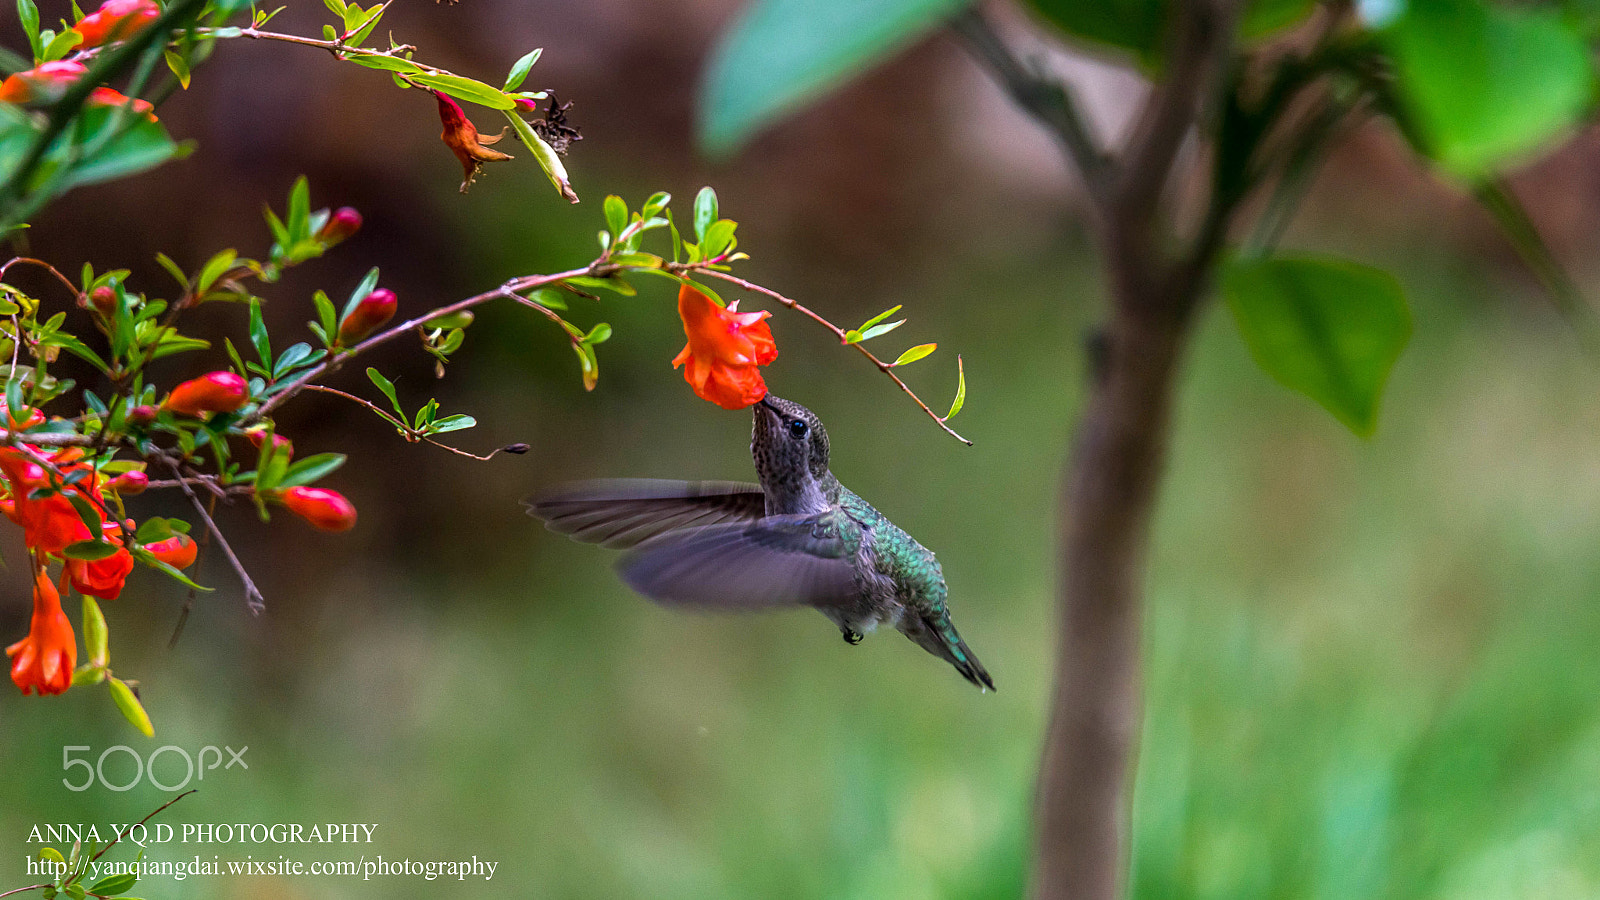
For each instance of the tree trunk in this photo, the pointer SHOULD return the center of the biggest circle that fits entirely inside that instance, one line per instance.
(1110, 489)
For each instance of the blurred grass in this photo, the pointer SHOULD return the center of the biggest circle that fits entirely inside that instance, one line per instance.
(1370, 664)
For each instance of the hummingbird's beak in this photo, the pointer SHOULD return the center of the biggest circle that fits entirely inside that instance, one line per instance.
(769, 407)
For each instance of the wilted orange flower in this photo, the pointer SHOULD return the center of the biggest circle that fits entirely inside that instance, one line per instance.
(44, 83)
(325, 509)
(115, 20)
(463, 139)
(178, 551)
(213, 392)
(725, 351)
(43, 661)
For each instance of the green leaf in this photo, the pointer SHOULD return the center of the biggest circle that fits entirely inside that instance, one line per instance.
(781, 53)
(132, 709)
(311, 469)
(95, 635)
(548, 159)
(868, 334)
(28, 14)
(214, 269)
(519, 70)
(112, 885)
(1135, 25)
(139, 144)
(61, 45)
(549, 298)
(1328, 328)
(718, 238)
(1485, 84)
(467, 89)
(179, 67)
(961, 390)
(325, 312)
(385, 63)
(368, 283)
(705, 212)
(616, 214)
(598, 334)
(452, 423)
(879, 317)
(914, 354)
(90, 550)
(258, 334)
(387, 387)
(299, 221)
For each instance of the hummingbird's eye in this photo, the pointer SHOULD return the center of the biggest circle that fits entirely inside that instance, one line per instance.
(798, 429)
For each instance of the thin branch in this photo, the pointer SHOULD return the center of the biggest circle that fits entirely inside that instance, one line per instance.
(252, 594)
(1512, 217)
(24, 890)
(524, 283)
(1049, 101)
(412, 434)
(157, 811)
(885, 368)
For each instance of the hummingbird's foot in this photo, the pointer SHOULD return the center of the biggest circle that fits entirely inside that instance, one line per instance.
(852, 637)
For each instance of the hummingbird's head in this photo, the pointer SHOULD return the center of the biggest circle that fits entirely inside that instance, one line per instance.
(790, 447)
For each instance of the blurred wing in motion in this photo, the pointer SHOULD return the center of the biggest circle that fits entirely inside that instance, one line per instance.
(624, 512)
(778, 561)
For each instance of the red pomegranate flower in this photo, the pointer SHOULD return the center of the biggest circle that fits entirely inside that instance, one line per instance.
(43, 661)
(725, 351)
(102, 578)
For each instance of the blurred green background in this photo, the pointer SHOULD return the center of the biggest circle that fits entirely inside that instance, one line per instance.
(1370, 664)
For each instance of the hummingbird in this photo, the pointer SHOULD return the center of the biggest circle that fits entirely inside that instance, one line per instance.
(799, 538)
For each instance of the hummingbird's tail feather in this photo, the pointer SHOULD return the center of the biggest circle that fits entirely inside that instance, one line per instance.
(939, 636)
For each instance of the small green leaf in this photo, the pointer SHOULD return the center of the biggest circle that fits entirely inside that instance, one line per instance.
(519, 70)
(1328, 328)
(549, 298)
(214, 269)
(258, 334)
(179, 67)
(299, 222)
(311, 469)
(387, 387)
(961, 390)
(367, 285)
(28, 14)
(96, 638)
(914, 354)
(452, 423)
(616, 214)
(705, 212)
(879, 317)
(89, 550)
(548, 159)
(467, 89)
(868, 334)
(112, 885)
(598, 335)
(385, 63)
(132, 709)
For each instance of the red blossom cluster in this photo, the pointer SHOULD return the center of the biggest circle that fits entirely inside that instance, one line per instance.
(63, 505)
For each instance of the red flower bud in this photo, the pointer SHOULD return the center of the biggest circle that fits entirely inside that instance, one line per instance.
(280, 444)
(142, 415)
(102, 299)
(325, 509)
(369, 315)
(44, 83)
(20, 423)
(344, 222)
(101, 578)
(104, 96)
(129, 483)
(115, 20)
(211, 393)
(178, 551)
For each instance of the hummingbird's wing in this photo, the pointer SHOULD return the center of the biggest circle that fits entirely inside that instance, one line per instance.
(624, 512)
(776, 561)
